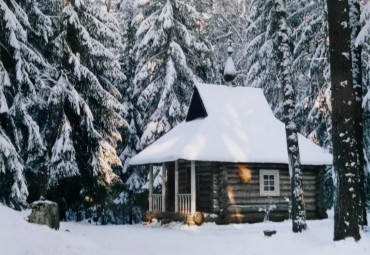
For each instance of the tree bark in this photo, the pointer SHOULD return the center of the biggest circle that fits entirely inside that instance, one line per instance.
(356, 50)
(283, 51)
(345, 123)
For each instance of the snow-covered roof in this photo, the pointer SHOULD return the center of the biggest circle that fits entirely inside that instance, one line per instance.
(226, 124)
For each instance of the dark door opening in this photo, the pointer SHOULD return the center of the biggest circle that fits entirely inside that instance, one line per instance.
(170, 196)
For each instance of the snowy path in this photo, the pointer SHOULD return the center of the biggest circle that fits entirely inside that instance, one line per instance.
(19, 237)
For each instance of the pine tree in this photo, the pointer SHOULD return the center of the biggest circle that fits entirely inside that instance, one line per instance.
(311, 73)
(356, 52)
(62, 163)
(283, 52)
(345, 125)
(131, 145)
(13, 190)
(363, 40)
(132, 176)
(167, 53)
(258, 58)
(89, 41)
(24, 66)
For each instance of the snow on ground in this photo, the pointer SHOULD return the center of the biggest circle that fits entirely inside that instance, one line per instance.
(19, 237)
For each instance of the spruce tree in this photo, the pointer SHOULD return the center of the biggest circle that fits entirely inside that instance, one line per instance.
(168, 55)
(282, 45)
(356, 52)
(258, 58)
(363, 40)
(62, 163)
(13, 190)
(89, 40)
(24, 66)
(345, 122)
(311, 73)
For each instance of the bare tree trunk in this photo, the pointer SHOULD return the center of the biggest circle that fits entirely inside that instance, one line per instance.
(284, 55)
(345, 125)
(356, 50)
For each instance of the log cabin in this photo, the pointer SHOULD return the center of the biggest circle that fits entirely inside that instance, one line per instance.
(228, 160)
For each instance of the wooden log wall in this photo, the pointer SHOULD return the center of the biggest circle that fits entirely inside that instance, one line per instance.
(223, 191)
(204, 186)
(245, 204)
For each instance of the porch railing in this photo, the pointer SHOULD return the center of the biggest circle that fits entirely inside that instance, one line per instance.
(157, 202)
(184, 203)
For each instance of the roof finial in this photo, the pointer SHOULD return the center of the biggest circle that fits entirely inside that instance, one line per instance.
(229, 70)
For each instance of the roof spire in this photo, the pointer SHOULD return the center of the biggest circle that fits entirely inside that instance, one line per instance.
(229, 70)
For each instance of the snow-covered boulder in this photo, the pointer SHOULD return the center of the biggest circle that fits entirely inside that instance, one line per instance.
(45, 212)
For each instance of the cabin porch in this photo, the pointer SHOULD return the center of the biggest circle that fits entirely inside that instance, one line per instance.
(180, 197)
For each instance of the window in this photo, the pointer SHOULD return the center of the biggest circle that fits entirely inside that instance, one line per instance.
(269, 183)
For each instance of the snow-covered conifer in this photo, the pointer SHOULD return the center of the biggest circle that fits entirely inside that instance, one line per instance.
(311, 74)
(23, 65)
(166, 50)
(13, 190)
(282, 46)
(86, 48)
(62, 163)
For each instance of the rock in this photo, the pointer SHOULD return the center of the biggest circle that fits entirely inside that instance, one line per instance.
(45, 212)
(269, 232)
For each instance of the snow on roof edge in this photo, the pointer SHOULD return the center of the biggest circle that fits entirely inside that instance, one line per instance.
(221, 103)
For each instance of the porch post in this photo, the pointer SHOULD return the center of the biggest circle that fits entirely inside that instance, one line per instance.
(164, 187)
(176, 186)
(150, 188)
(193, 190)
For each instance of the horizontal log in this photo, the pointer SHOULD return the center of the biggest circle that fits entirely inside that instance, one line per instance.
(243, 218)
(310, 207)
(310, 177)
(283, 193)
(238, 181)
(305, 188)
(278, 216)
(260, 200)
(257, 208)
(204, 200)
(244, 187)
(272, 207)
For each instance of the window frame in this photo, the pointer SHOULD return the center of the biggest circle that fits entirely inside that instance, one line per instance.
(269, 193)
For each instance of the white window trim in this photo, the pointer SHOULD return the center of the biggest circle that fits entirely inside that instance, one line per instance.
(276, 191)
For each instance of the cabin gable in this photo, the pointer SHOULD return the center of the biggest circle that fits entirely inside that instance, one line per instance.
(196, 107)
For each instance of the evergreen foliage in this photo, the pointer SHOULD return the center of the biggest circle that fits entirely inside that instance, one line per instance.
(166, 51)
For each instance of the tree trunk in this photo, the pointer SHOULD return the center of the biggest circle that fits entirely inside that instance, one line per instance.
(284, 55)
(356, 51)
(345, 123)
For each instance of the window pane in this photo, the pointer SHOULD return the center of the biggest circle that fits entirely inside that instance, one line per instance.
(265, 177)
(272, 188)
(272, 183)
(271, 177)
(266, 188)
(265, 183)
